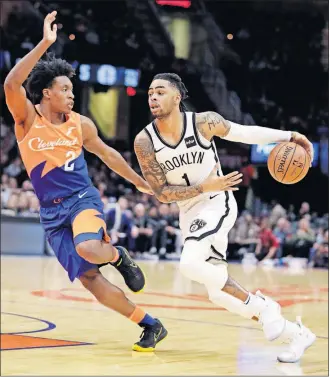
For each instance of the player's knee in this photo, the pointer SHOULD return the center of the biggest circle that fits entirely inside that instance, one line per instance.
(217, 296)
(221, 271)
(88, 250)
(190, 260)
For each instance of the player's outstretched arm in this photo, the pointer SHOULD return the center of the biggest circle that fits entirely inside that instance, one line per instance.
(113, 159)
(156, 178)
(212, 124)
(18, 104)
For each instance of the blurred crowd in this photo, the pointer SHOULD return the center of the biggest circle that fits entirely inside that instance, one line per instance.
(150, 229)
(279, 234)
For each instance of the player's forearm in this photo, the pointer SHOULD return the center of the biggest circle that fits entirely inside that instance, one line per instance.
(170, 194)
(255, 134)
(117, 163)
(22, 69)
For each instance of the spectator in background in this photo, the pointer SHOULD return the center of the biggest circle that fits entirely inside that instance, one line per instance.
(120, 225)
(144, 229)
(267, 243)
(160, 239)
(22, 203)
(246, 235)
(304, 210)
(34, 205)
(102, 187)
(319, 254)
(15, 168)
(303, 239)
(174, 236)
(27, 186)
(282, 232)
(291, 213)
(10, 208)
(4, 181)
(276, 213)
(249, 173)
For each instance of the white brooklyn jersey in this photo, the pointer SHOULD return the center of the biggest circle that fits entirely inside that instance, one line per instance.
(189, 162)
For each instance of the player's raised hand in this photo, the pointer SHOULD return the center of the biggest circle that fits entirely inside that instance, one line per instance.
(305, 143)
(50, 31)
(225, 183)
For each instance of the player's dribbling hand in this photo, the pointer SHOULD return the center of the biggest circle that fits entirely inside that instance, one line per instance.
(145, 188)
(225, 183)
(304, 142)
(50, 31)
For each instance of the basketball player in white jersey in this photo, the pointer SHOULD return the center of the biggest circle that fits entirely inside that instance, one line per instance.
(178, 158)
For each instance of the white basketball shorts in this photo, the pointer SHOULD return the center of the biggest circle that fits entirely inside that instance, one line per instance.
(210, 219)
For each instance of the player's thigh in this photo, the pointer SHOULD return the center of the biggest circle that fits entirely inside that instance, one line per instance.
(61, 241)
(220, 239)
(88, 220)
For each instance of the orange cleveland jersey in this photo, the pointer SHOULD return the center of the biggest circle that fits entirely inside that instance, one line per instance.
(53, 156)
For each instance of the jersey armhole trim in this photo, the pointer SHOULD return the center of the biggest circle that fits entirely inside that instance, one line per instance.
(214, 148)
(196, 132)
(150, 137)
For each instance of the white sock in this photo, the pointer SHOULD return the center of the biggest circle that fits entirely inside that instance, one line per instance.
(255, 304)
(290, 329)
(233, 304)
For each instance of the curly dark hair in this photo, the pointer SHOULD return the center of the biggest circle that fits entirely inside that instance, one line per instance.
(43, 74)
(176, 81)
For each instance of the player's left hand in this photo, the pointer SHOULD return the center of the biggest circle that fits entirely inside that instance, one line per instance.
(305, 143)
(144, 187)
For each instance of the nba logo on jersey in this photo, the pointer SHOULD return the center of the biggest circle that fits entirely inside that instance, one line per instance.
(190, 141)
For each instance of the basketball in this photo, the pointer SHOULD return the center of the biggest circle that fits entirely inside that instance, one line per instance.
(288, 163)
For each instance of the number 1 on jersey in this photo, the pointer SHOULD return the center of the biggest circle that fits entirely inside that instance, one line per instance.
(185, 177)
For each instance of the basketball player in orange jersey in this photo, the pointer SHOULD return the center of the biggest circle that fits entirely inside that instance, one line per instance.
(50, 138)
(178, 158)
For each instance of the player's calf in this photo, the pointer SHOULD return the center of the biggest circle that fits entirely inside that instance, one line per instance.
(131, 272)
(101, 253)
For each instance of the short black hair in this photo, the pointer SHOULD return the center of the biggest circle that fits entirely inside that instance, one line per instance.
(43, 74)
(176, 81)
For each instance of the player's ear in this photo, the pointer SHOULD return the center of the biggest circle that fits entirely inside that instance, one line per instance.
(177, 99)
(46, 93)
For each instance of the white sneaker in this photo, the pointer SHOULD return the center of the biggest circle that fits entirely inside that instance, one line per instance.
(299, 341)
(271, 318)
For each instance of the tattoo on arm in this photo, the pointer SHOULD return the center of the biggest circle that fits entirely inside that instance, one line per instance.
(212, 124)
(155, 176)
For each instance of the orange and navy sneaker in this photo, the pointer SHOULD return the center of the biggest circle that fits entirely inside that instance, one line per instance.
(151, 335)
(131, 272)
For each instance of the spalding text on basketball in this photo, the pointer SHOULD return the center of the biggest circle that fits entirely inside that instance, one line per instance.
(287, 151)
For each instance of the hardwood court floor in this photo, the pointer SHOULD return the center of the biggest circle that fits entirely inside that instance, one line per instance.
(52, 327)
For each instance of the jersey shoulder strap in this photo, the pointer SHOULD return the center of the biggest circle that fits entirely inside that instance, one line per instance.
(156, 142)
(201, 141)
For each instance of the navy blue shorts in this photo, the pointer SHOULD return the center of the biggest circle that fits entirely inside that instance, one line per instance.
(72, 220)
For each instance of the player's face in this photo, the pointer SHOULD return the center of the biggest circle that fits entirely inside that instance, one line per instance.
(162, 98)
(60, 95)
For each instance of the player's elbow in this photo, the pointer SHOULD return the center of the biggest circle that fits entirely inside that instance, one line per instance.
(161, 197)
(10, 84)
